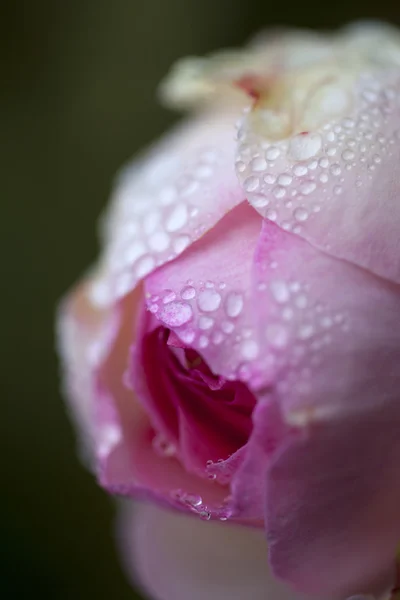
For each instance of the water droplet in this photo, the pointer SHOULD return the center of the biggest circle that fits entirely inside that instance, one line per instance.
(323, 178)
(188, 292)
(300, 170)
(234, 304)
(190, 188)
(205, 515)
(335, 169)
(280, 291)
(307, 187)
(277, 335)
(300, 214)
(134, 251)
(193, 500)
(370, 95)
(304, 146)
(177, 218)
(272, 153)
(145, 266)
(269, 178)
(209, 300)
(251, 184)
(227, 327)
(217, 337)
(284, 179)
(258, 164)
(203, 341)
(169, 296)
(167, 195)
(205, 322)
(337, 190)
(279, 191)
(324, 163)
(162, 446)
(249, 349)
(258, 200)
(176, 314)
(159, 241)
(305, 331)
(180, 243)
(348, 155)
(271, 214)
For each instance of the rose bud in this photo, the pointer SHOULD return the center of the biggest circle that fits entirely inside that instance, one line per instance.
(235, 354)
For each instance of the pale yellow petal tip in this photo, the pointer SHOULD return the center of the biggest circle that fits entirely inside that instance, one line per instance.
(197, 81)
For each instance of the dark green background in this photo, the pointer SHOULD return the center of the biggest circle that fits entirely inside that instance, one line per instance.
(77, 100)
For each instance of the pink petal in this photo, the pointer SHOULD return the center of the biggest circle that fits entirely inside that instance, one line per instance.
(85, 333)
(177, 558)
(167, 200)
(338, 186)
(203, 417)
(326, 435)
(131, 465)
(205, 297)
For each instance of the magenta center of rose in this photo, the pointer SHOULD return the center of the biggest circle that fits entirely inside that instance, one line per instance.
(199, 417)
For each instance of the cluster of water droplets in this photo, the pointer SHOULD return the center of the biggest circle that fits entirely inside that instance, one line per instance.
(206, 315)
(297, 329)
(155, 224)
(196, 505)
(295, 180)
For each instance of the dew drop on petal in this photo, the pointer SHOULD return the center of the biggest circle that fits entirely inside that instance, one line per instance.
(159, 241)
(234, 304)
(272, 153)
(280, 291)
(205, 322)
(188, 292)
(249, 349)
(300, 214)
(251, 184)
(277, 335)
(209, 300)
(177, 218)
(145, 266)
(180, 243)
(175, 314)
(304, 146)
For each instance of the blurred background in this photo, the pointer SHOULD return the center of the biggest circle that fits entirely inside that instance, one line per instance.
(77, 100)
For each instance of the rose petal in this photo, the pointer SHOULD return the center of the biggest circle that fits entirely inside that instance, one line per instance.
(337, 185)
(127, 460)
(200, 421)
(167, 200)
(326, 435)
(177, 558)
(207, 293)
(84, 334)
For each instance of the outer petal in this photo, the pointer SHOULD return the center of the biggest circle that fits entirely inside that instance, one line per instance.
(168, 200)
(176, 558)
(84, 335)
(337, 186)
(326, 435)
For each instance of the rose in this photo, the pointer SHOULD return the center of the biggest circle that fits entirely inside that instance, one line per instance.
(235, 354)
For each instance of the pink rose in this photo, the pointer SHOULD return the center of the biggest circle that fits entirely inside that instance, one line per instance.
(235, 354)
